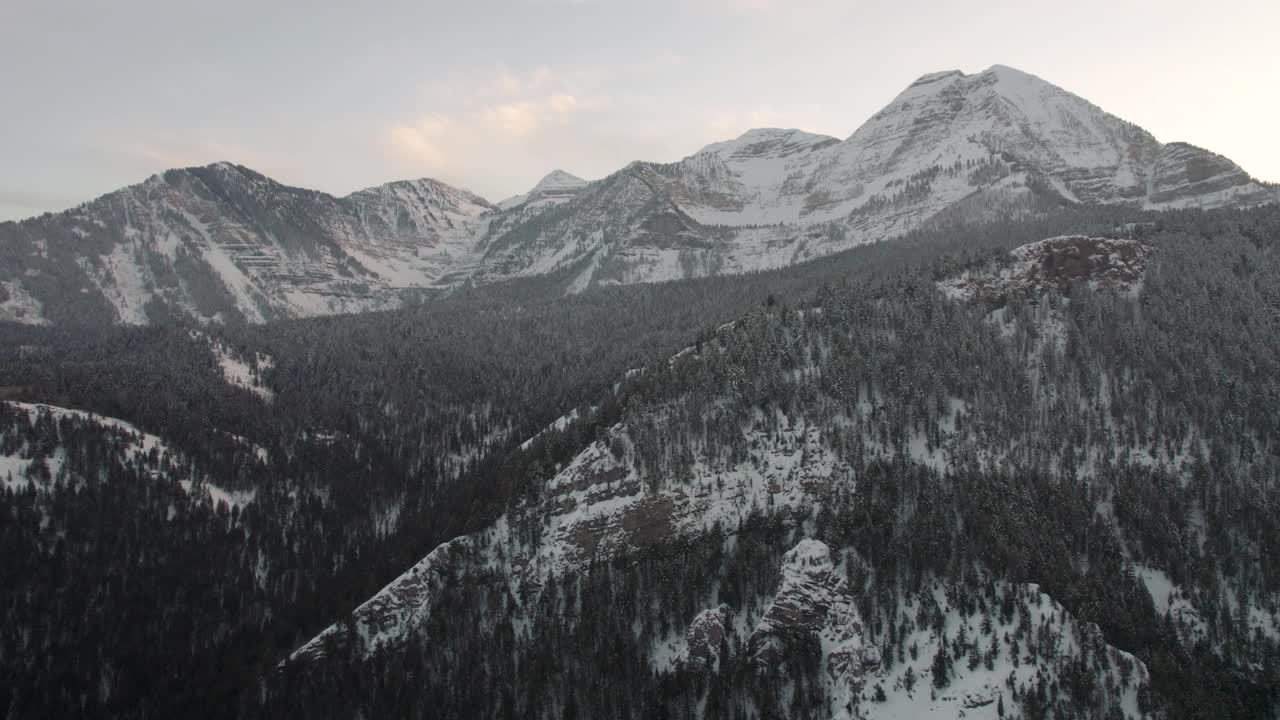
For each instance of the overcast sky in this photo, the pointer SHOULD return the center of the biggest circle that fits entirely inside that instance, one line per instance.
(492, 95)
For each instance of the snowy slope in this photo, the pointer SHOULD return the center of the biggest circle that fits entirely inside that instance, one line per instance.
(19, 471)
(237, 370)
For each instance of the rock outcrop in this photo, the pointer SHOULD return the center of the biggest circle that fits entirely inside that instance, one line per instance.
(705, 637)
(1054, 265)
(815, 603)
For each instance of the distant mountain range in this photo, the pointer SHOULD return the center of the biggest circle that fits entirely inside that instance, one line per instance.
(223, 243)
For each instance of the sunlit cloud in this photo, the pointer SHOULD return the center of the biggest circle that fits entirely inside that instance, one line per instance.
(522, 119)
(504, 118)
(423, 142)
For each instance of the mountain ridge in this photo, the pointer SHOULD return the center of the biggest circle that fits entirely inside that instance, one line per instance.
(253, 249)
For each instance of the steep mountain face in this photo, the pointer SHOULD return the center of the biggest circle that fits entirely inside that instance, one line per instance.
(223, 242)
(412, 232)
(977, 144)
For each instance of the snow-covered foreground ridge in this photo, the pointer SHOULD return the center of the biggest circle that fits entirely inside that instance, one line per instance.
(33, 454)
(222, 241)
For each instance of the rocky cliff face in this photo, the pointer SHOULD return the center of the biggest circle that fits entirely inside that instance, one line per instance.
(1186, 176)
(704, 640)
(814, 602)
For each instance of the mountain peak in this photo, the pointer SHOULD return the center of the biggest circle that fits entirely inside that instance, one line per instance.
(424, 190)
(999, 69)
(226, 167)
(933, 77)
(1011, 80)
(768, 142)
(930, 83)
(558, 179)
(555, 187)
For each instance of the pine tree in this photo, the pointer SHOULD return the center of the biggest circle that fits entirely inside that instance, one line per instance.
(941, 666)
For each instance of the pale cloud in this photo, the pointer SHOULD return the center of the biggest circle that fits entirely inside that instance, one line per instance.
(514, 114)
(510, 84)
(515, 119)
(522, 119)
(434, 141)
(423, 142)
(562, 103)
(502, 86)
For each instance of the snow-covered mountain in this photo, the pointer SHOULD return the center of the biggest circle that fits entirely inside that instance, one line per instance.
(222, 241)
(970, 144)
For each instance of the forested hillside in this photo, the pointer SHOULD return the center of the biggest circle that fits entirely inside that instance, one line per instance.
(957, 459)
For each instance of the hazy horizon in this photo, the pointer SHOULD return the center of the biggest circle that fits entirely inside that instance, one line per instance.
(492, 96)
